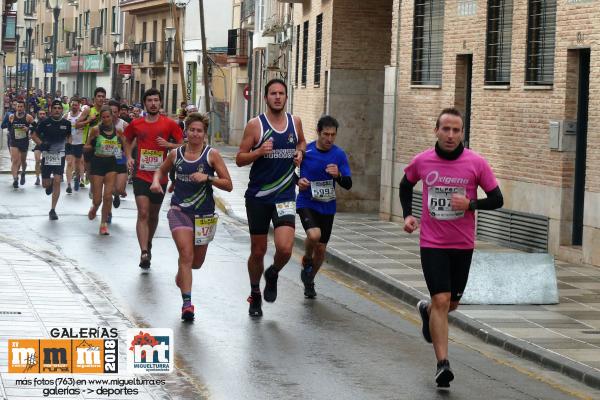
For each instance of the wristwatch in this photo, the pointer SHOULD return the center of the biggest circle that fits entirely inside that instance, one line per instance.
(473, 205)
(210, 178)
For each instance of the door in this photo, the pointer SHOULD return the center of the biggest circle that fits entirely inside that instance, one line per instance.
(583, 93)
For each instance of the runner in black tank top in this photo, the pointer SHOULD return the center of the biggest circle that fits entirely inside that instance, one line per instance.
(274, 143)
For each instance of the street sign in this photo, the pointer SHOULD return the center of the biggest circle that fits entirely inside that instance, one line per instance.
(47, 68)
(25, 67)
(124, 69)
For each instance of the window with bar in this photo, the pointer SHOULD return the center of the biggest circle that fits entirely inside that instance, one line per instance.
(304, 52)
(318, 38)
(297, 53)
(498, 42)
(428, 42)
(541, 30)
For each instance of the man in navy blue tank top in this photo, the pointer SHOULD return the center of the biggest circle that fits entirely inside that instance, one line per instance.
(274, 144)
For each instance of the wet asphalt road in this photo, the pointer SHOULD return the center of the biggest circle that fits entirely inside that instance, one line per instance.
(350, 343)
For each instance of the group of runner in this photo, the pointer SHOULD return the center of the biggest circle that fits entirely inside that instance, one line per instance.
(274, 145)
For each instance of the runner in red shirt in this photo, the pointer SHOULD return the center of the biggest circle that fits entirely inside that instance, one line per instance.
(152, 134)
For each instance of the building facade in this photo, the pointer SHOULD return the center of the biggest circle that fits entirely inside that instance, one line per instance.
(155, 59)
(339, 52)
(523, 73)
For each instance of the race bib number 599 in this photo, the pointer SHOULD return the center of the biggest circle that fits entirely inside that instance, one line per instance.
(439, 202)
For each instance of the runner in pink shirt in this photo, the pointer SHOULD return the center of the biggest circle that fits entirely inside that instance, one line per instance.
(450, 175)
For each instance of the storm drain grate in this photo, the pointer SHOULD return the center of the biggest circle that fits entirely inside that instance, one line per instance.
(10, 312)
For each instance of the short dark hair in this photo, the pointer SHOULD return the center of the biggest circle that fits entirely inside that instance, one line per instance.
(327, 121)
(151, 92)
(115, 103)
(124, 107)
(20, 101)
(272, 82)
(450, 111)
(99, 90)
(75, 98)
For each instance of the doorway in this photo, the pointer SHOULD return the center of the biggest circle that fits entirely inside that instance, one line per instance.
(463, 90)
(583, 94)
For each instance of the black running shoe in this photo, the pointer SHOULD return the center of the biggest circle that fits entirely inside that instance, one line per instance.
(49, 189)
(309, 291)
(116, 201)
(444, 374)
(255, 301)
(69, 189)
(422, 306)
(187, 313)
(37, 181)
(270, 291)
(144, 260)
(52, 215)
(16, 183)
(22, 178)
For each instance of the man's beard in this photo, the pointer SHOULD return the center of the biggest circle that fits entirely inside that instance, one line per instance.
(153, 112)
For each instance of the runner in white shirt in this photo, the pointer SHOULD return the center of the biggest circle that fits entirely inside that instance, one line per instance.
(74, 150)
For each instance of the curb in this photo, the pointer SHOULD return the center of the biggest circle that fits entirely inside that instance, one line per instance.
(528, 351)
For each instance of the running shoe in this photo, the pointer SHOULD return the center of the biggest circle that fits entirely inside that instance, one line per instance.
(16, 183)
(76, 184)
(422, 306)
(308, 280)
(81, 184)
(37, 181)
(255, 301)
(187, 313)
(69, 189)
(270, 291)
(104, 229)
(22, 178)
(443, 375)
(52, 215)
(109, 218)
(86, 180)
(116, 201)
(144, 260)
(49, 188)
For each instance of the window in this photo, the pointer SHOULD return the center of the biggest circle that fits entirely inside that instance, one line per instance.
(541, 29)
(113, 19)
(318, 37)
(62, 30)
(261, 13)
(297, 53)
(304, 52)
(29, 8)
(498, 44)
(144, 32)
(427, 42)
(174, 99)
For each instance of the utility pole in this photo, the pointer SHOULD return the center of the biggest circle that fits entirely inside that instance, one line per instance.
(205, 64)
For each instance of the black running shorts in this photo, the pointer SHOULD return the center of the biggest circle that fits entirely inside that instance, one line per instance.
(261, 214)
(75, 150)
(49, 170)
(446, 270)
(314, 219)
(103, 165)
(142, 188)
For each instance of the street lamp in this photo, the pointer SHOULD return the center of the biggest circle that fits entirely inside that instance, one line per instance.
(55, 5)
(115, 92)
(29, 23)
(19, 29)
(78, 39)
(169, 34)
(47, 52)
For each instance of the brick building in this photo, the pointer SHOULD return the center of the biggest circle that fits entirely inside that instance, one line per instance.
(339, 52)
(520, 70)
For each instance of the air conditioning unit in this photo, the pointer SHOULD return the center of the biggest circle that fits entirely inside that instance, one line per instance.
(272, 56)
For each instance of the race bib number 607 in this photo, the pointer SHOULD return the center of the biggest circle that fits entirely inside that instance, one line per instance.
(439, 202)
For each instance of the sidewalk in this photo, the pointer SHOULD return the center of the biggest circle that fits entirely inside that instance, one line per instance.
(41, 291)
(563, 337)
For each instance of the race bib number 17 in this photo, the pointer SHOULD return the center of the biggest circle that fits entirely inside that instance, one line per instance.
(205, 229)
(439, 202)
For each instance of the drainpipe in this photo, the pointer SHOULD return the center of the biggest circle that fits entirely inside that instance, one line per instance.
(395, 117)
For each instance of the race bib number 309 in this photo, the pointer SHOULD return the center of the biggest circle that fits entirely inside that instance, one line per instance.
(150, 160)
(439, 202)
